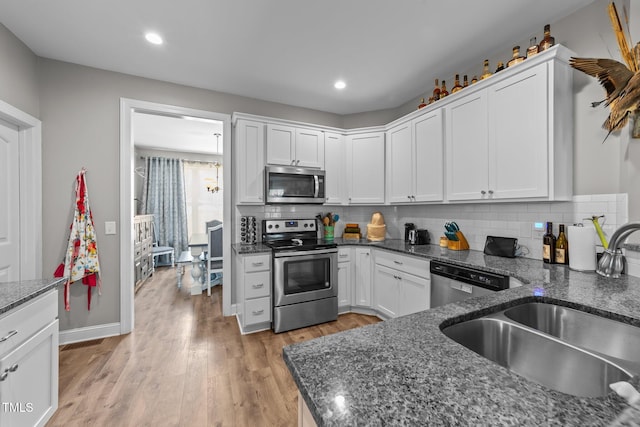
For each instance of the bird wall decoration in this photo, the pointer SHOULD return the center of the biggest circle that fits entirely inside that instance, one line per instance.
(620, 81)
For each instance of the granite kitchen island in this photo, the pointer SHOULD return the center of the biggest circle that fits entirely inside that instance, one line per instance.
(405, 371)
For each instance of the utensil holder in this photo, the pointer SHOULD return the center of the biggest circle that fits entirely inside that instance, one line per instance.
(458, 245)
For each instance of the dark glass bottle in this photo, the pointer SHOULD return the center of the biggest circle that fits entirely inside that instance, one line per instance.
(500, 66)
(436, 91)
(443, 90)
(474, 80)
(562, 247)
(547, 41)
(549, 245)
(465, 81)
(456, 86)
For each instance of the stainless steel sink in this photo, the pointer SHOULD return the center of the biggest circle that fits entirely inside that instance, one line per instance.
(606, 336)
(538, 357)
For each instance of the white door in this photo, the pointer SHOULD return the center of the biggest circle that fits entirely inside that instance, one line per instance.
(309, 148)
(386, 290)
(281, 142)
(365, 162)
(428, 138)
(400, 159)
(10, 206)
(335, 179)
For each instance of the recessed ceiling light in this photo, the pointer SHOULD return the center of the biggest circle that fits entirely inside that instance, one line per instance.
(340, 84)
(153, 38)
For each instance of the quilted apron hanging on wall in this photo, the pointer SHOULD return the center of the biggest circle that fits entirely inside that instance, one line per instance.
(81, 259)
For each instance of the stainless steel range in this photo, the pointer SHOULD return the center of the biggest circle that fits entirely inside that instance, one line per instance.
(305, 274)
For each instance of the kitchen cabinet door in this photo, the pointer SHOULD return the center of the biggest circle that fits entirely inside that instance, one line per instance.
(415, 293)
(29, 380)
(344, 284)
(400, 164)
(365, 163)
(518, 135)
(309, 148)
(467, 146)
(335, 173)
(428, 139)
(249, 162)
(386, 289)
(281, 142)
(363, 284)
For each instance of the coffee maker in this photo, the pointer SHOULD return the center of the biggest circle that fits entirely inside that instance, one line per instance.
(407, 231)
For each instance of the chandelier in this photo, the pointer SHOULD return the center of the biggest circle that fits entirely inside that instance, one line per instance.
(215, 187)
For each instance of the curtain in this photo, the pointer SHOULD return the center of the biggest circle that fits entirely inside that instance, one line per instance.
(164, 197)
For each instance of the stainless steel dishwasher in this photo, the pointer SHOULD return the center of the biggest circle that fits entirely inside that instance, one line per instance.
(451, 283)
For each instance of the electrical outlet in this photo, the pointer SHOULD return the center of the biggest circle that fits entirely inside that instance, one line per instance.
(538, 228)
(110, 227)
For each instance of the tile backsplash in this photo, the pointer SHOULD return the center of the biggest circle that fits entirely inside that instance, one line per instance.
(476, 220)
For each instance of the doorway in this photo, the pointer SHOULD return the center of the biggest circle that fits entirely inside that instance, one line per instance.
(128, 109)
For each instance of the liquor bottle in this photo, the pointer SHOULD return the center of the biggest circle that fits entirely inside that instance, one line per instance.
(474, 80)
(443, 90)
(533, 47)
(436, 91)
(431, 100)
(485, 70)
(549, 245)
(456, 86)
(562, 247)
(547, 41)
(500, 66)
(422, 104)
(516, 58)
(465, 82)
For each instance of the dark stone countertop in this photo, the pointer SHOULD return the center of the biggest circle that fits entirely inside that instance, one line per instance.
(404, 371)
(13, 294)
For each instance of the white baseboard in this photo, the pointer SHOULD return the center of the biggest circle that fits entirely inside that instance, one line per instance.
(89, 333)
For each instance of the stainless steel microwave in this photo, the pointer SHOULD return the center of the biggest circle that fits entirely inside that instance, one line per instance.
(290, 184)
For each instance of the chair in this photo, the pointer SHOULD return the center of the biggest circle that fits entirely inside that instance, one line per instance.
(214, 252)
(158, 251)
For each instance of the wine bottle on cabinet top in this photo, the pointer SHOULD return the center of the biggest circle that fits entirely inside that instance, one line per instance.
(443, 90)
(549, 245)
(436, 91)
(533, 47)
(500, 66)
(485, 70)
(516, 58)
(422, 104)
(547, 41)
(465, 81)
(456, 86)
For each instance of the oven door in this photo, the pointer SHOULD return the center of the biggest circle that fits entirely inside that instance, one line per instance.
(300, 276)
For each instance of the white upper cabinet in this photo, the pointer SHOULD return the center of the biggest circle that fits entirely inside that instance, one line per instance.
(467, 142)
(249, 162)
(511, 138)
(291, 146)
(415, 160)
(518, 152)
(335, 160)
(365, 168)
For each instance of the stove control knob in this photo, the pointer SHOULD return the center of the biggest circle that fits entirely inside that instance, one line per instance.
(277, 225)
(270, 226)
(306, 225)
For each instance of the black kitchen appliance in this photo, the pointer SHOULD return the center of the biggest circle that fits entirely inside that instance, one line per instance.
(407, 229)
(422, 237)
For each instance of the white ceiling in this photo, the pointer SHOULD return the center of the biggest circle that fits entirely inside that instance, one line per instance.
(157, 132)
(288, 51)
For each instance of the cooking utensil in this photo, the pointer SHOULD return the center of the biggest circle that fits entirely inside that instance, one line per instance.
(596, 224)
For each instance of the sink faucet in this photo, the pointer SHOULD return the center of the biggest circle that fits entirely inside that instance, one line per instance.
(612, 262)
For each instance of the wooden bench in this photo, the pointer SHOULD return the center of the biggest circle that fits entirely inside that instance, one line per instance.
(184, 259)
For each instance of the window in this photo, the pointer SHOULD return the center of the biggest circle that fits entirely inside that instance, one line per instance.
(202, 204)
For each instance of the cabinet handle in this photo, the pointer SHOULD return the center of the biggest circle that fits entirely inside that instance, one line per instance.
(297, 162)
(397, 262)
(483, 192)
(343, 255)
(258, 286)
(257, 264)
(293, 162)
(257, 312)
(490, 191)
(409, 197)
(13, 368)
(4, 375)
(9, 335)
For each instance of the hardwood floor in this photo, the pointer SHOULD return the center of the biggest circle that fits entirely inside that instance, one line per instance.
(183, 365)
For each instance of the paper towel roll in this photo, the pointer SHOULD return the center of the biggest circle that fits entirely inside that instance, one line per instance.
(582, 249)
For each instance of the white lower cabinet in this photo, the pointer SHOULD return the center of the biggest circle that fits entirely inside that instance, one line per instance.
(362, 282)
(401, 284)
(345, 277)
(29, 362)
(253, 308)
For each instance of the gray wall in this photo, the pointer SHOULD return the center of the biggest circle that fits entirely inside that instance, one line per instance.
(18, 74)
